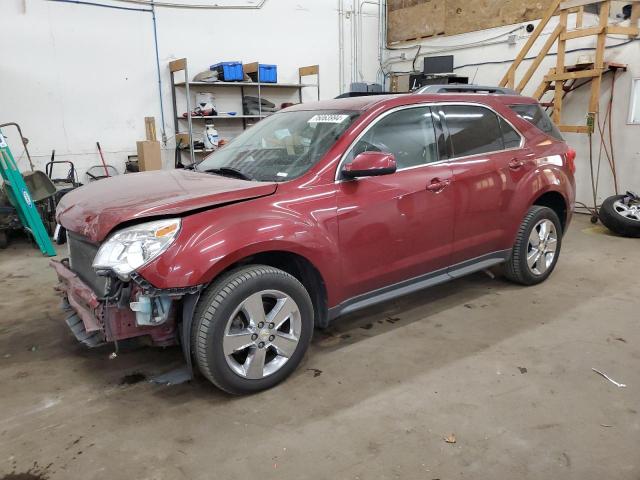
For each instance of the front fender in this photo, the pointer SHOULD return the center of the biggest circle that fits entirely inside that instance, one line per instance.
(211, 241)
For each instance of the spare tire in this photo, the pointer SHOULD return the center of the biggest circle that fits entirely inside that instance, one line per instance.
(621, 215)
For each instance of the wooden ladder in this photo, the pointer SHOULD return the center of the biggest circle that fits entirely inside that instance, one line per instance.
(561, 78)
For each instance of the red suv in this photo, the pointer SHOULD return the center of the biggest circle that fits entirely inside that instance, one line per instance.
(317, 211)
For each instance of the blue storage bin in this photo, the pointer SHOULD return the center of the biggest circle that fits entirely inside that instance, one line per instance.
(228, 71)
(268, 73)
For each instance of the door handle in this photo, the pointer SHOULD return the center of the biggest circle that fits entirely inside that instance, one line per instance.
(516, 163)
(438, 185)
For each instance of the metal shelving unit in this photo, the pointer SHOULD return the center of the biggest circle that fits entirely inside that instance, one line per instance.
(185, 87)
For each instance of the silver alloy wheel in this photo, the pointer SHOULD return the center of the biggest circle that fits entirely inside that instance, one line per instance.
(629, 211)
(262, 334)
(541, 250)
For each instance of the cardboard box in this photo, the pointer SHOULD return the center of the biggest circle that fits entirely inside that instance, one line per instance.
(149, 157)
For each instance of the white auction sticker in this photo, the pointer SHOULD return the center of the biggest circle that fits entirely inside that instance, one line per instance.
(327, 118)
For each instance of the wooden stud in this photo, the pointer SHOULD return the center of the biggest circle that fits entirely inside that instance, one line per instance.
(583, 32)
(573, 128)
(531, 40)
(594, 101)
(635, 16)
(542, 89)
(559, 91)
(178, 65)
(620, 30)
(536, 63)
(310, 70)
(579, 17)
(571, 75)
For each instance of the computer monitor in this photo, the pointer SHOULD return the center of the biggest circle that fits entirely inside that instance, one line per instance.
(439, 64)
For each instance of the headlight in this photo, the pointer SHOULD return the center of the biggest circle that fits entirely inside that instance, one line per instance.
(132, 247)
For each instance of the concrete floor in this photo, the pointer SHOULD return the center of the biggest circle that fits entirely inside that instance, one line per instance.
(506, 369)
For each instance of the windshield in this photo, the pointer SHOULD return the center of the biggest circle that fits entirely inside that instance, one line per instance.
(280, 147)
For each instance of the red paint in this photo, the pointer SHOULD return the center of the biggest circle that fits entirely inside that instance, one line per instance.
(360, 234)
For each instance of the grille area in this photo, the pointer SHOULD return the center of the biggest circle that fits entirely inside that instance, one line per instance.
(81, 255)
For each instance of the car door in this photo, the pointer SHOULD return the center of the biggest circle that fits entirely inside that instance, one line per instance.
(475, 140)
(398, 226)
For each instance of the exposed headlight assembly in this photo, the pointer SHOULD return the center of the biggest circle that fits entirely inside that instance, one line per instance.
(130, 248)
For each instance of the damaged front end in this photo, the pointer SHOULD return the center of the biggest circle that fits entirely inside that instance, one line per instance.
(128, 310)
(105, 305)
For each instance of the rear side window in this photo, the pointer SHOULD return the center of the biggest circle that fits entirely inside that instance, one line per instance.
(509, 135)
(533, 113)
(473, 130)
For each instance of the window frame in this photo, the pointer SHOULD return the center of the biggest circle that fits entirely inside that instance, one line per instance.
(635, 91)
(445, 130)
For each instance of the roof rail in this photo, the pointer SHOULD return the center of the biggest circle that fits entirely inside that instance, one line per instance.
(460, 88)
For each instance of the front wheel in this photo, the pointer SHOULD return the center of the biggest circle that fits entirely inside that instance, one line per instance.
(252, 328)
(537, 247)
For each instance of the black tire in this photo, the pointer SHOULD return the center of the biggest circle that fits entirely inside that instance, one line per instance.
(516, 268)
(4, 239)
(214, 310)
(615, 222)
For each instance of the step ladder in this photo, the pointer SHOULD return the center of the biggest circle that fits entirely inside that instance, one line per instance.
(562, 78)
(20, 197)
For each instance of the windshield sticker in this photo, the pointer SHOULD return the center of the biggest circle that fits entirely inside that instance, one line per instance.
(282, 134)
(282, 174)
(328, 118)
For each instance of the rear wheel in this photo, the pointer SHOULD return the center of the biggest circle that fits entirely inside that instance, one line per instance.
(537, 247)
(252, 329)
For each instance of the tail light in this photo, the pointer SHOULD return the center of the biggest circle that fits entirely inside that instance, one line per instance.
(570, 157)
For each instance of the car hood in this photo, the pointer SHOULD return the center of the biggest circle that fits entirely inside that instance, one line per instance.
(96, 208)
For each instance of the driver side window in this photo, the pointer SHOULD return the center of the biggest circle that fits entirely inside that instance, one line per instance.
(408, 133)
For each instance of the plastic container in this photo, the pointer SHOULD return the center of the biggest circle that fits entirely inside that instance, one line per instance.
(210, 137)
(228, 71)
(268, 73)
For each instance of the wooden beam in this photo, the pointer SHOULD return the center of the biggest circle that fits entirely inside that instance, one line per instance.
(527, 46)
(541, 55)
(178, 65)
(567, 4)
(579, 17)
(594, 101)
(542, 89)
(583, 32)
(572, 75)
(150, 128)
(635, 16)
(620, 30)
(573, 128)
(310, 70)
(559, 90)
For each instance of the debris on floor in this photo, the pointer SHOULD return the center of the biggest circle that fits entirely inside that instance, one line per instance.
(451, 438)
(523, 370)
(173, 377)
(602, 374)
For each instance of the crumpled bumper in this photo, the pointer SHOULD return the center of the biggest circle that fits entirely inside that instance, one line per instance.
(95, 321)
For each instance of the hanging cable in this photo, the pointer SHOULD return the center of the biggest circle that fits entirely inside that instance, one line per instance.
(613, 160)
(200, 6)
(155, 44)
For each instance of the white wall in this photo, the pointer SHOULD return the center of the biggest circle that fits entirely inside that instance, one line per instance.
(626, 137)
(72, 75)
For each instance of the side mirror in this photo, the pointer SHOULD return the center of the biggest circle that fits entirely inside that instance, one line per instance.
(370, 164)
